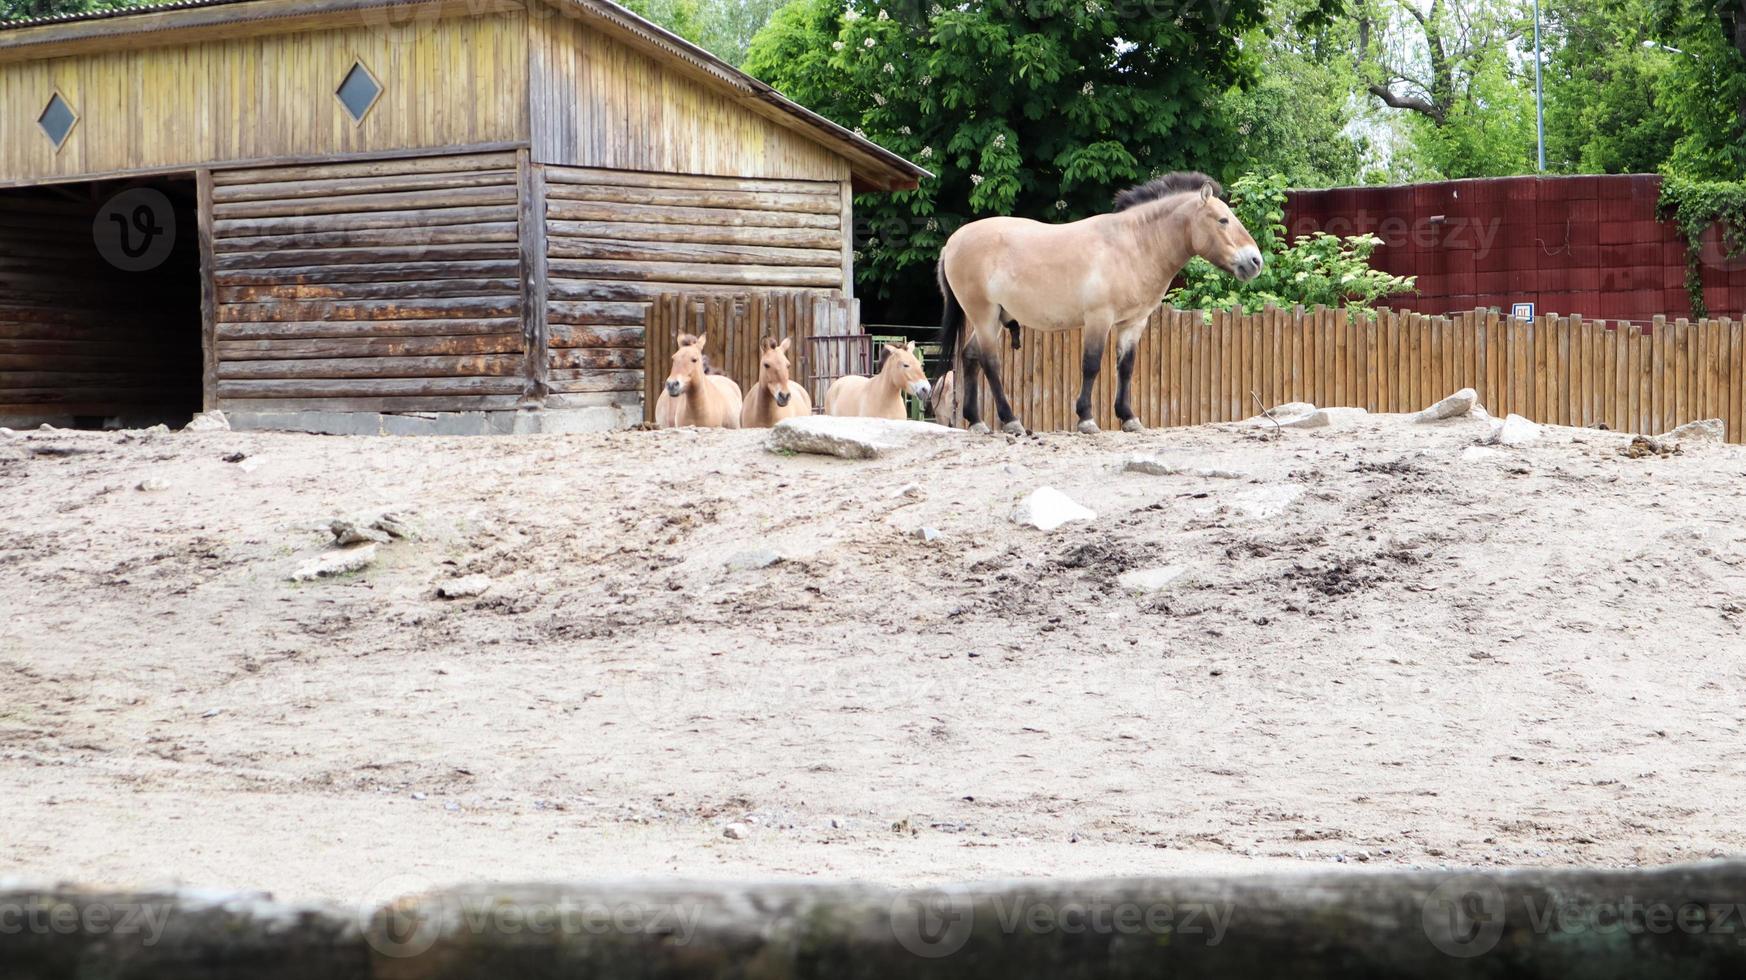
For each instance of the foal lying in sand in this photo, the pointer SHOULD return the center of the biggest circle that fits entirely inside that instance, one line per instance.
(695, 397)
(880, 396)
(776, 396)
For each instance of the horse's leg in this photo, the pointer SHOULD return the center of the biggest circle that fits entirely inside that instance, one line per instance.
(1090, 363)
(1096, 339)
(972, 391)
(991, 366)
(1127, 343)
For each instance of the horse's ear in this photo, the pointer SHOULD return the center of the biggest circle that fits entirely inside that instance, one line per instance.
(786, 343)
(769, 343)
(910, 347)
(701, 338)
(1206, 192)
(684, 340)
(893, 349)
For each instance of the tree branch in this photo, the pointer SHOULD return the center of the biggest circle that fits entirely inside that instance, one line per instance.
(1411, 103)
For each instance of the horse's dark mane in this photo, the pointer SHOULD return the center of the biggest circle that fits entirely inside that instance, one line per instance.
(1158, 188)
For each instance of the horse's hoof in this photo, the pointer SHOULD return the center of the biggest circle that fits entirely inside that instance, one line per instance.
(1133, 425)
(1088, 427)
(1013, 428)
(981, 429)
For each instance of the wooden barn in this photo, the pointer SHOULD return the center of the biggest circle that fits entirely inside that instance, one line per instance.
(341, 214)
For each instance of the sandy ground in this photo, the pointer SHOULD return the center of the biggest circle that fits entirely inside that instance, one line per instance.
(1387, 651)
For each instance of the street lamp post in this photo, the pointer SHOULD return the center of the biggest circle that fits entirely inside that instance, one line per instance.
(1539, 90)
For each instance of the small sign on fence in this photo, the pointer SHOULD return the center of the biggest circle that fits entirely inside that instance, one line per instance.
(1522, 311)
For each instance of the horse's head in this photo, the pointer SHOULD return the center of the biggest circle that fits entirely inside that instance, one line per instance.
(688, 364)
(941, 403)
(904, 369)
(1219, 238)
(773, 370)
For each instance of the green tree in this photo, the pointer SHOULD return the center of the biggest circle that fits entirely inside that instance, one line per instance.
(683, 17)
(1313, 269)
(26, 9)
(1299, 115)
(1042, 108)
(1705, 88)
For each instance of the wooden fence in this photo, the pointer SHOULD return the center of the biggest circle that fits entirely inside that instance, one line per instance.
(734, 326)
(1194, 368)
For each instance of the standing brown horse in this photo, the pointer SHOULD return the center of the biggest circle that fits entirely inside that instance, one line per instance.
(776, 396)
(1105, 274)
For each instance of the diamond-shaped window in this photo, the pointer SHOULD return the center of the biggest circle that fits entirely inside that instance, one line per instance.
(57, 120)
(359, 91)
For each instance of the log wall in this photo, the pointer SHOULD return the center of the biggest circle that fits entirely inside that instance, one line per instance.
(617, 240)
(79, 337)
(385, 286)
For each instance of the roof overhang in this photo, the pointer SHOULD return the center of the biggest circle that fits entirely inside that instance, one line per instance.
(874, 168)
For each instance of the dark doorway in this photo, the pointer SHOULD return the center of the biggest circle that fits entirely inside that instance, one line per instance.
(100, 304)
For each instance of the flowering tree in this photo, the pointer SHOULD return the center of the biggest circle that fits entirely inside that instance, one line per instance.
(1041, 108)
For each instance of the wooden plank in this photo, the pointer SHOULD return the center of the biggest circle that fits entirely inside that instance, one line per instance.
(353, 203)
(696, 273)
(330, 185)
(721, 217)
(414, 253)
(366, 169)
(422, 222)
(535, 287)
(439, 366)
(483, 307)
(704, 234)
(431, 289)
(208, 292)
(457, 234)
(634, 178)
(428, 387)
(572, 248)
(334, 347)
(697, 198)
(398, 272)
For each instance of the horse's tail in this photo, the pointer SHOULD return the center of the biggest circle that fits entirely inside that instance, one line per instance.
(952, 321)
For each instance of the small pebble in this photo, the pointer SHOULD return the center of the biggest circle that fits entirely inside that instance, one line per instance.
(734, 831)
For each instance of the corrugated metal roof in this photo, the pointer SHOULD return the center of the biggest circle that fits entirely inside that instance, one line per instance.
(112, 12)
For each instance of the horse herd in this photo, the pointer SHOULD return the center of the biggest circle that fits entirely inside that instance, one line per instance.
(1104, 275)
(695, 396)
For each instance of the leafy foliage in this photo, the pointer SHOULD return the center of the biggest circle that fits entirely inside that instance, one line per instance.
(1694, 206)
(1042, 108)
(1319, 269)
(26, 9)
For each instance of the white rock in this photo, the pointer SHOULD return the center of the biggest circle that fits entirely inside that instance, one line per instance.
(1318, 419)
(336, 563)
(1153, 466)
(1460, 403)
(152, 485)
(928, 534)
(1513, 431)
(747, 561)
(734, 831)
(1151, 579)
(912, 491)
(1342, 417)
(1479, 454)
(1048, 508)
(6, 433)
(1289, 410)
(1478, 412)
(213, 421)
(851, 438)
(1703, 430)
(464, 588)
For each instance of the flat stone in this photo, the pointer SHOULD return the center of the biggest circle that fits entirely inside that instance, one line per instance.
(213, 421)
(928, 535)
(735, 831)
(152, 485)
(852, 438)
(333, 563)
(1703, 430)
(347, 531)
(747, 561)
(1513, 431)
(1151, 579)
(1047, 508)
(1289, 410)
(1256, 503)
(1479, 454)
(464, 588)
(1153, 466)
(1460, 403)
